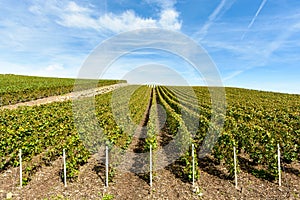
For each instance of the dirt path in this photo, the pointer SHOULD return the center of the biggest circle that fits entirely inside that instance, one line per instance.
(66, 97)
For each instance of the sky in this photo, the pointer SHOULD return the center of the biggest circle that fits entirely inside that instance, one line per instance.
(253, 43)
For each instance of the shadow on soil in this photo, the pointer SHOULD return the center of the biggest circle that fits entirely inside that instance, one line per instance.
(177, 169)
(291, 170)
(100, 171)
(212, 167)
(251, 167)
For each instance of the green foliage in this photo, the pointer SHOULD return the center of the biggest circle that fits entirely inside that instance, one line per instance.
(177, 127)
(16, 88)
(152, 126)
(119, 118)
(255, 122)
(108, 197)
(57, 197)
(41, 132)
(263, 119)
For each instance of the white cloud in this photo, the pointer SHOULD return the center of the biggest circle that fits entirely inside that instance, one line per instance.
(80, 17)
(169, 19)
(73, 7)
(35, 9)
(164, 4)
(76, 16)
(54, 67)
(124, 22)
(78, 20)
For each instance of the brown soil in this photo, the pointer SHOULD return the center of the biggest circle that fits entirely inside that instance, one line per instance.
(47, 183)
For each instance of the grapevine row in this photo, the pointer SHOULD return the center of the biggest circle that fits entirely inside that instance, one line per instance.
(42, 132)
(177, 127)
(249, 128)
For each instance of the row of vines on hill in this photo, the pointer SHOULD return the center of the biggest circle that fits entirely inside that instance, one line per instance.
(42, 132)
(124, 112)
(255, 122)
(178, 127)
(261, 120)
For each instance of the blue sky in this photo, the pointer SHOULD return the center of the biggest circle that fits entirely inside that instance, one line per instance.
(254, 43)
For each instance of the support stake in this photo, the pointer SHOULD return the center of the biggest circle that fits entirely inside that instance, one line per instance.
(150, 165)
(279, 168)
(20, 158)
(193, 155)
(65, 167)
(106, 166)
(235, 170)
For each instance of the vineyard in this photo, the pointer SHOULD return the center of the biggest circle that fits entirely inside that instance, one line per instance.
(16, 88)
(255, 123)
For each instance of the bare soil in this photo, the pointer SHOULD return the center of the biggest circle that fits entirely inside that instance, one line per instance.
(47, 184)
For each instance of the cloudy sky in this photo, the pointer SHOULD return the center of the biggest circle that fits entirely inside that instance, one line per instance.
(253, 43)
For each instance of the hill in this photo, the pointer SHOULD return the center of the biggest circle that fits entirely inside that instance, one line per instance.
(255, 122)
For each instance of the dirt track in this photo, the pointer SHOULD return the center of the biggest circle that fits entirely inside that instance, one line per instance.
(66, 97)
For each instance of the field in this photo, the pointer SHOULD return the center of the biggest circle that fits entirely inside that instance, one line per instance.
(16, 88)
(255, 123)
